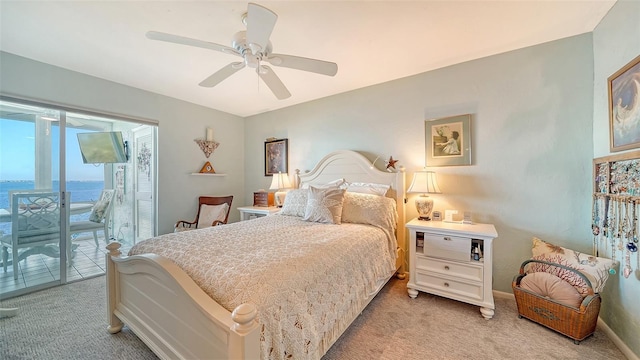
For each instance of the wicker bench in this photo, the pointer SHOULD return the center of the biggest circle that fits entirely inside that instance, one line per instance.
(576, 323)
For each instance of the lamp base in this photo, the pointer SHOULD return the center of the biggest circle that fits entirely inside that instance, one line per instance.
(279, 198)
(424, 205)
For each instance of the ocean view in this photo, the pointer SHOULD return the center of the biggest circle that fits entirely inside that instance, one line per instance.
(80, 190)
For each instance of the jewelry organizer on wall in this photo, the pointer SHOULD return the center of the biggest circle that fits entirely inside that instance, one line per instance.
(616, 202)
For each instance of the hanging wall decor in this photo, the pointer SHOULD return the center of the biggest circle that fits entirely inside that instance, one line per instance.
(207, 145)
(624, 107)
(616, 198)
(448, 141)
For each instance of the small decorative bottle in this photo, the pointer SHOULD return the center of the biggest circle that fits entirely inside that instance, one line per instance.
(476, 254)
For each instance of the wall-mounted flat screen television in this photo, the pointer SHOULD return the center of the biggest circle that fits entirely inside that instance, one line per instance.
(103, 147)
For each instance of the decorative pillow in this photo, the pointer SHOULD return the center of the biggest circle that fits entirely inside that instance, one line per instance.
(295, 203)
(370, 209)
(552, 287)
(98, 211)
(324, 205)
(211, 213)
(337, 183)
(596, 269)
(368, 188)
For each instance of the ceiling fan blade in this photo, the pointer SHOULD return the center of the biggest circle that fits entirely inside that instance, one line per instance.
(305, 64)
(273, 82)
(176, 39)
(222, 74)
(260, 23)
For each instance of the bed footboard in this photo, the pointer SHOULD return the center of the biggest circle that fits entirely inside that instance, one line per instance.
(171, 314)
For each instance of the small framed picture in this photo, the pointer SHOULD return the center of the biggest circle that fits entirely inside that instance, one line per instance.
(276, 157)
(436, 216)
(448, 141)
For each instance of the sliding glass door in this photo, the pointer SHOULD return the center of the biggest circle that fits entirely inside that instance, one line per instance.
(33, 203)
(78, 165)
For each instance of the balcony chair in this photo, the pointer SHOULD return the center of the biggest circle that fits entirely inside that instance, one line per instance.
(98, 219)
(212, 211)
(35, 223)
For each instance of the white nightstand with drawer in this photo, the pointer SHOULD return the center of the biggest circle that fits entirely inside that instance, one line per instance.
(252, 212)
(441, 262)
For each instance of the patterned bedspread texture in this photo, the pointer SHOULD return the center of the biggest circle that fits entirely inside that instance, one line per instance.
(308, 280)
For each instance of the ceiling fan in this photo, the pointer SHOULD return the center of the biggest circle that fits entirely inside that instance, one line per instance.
(255, 48)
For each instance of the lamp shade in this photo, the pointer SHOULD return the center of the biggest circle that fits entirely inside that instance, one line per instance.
(280, 181)
(424, 182)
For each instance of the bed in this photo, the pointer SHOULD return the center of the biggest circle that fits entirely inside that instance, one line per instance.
(232, 292)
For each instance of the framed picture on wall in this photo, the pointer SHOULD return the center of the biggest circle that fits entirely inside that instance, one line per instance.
(448, 141)
(276, 156)
(624, 107)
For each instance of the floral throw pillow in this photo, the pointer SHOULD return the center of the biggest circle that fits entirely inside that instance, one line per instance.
(324, 205)
(596, 269)
(98, 211)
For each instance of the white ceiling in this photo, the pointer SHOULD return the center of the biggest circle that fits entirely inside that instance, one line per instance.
(372, 42)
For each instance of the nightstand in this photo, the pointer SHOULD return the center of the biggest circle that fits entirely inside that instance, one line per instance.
(441, 262)
(252, 212)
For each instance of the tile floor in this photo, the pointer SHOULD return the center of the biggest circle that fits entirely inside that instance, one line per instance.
(37, 269)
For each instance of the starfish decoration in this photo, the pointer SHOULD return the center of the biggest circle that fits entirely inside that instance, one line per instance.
(391, 163)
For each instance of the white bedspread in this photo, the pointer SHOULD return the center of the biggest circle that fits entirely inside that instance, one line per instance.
(307, 279)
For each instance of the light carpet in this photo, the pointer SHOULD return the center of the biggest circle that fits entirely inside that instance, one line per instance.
(69, 322)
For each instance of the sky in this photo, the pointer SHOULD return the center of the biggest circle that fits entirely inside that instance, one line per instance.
(17, 153)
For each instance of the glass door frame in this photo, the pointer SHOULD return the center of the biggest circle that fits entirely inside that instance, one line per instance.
(43, 174)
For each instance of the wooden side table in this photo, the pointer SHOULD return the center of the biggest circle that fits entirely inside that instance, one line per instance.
(252, 212)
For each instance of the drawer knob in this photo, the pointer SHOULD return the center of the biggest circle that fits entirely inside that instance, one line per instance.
(446, 284)
(446, 267)
(447, 238)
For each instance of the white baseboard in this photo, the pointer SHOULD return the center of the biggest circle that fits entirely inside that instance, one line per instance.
(601, 324)
(616, 340)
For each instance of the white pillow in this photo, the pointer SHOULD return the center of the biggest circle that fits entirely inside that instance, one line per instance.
(211, 213)
(370, 209)
(324, 205)
(368, 188)
(295, 203)
(337, 183)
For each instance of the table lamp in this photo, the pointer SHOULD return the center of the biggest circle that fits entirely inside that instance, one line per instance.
(279, 183)
(424, 182)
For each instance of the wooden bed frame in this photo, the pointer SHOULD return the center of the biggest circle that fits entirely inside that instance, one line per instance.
(167, 310)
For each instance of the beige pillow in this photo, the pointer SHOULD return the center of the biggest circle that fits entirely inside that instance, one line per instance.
(369, 209)
(211, 213)
(596, 269)
(324, 205)
(551, 286)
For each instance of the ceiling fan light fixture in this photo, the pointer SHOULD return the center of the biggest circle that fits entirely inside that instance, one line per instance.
(253, 46)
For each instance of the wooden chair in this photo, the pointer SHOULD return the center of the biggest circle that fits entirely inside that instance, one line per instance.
(212, 211)
(35, 224)
(98, 219)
